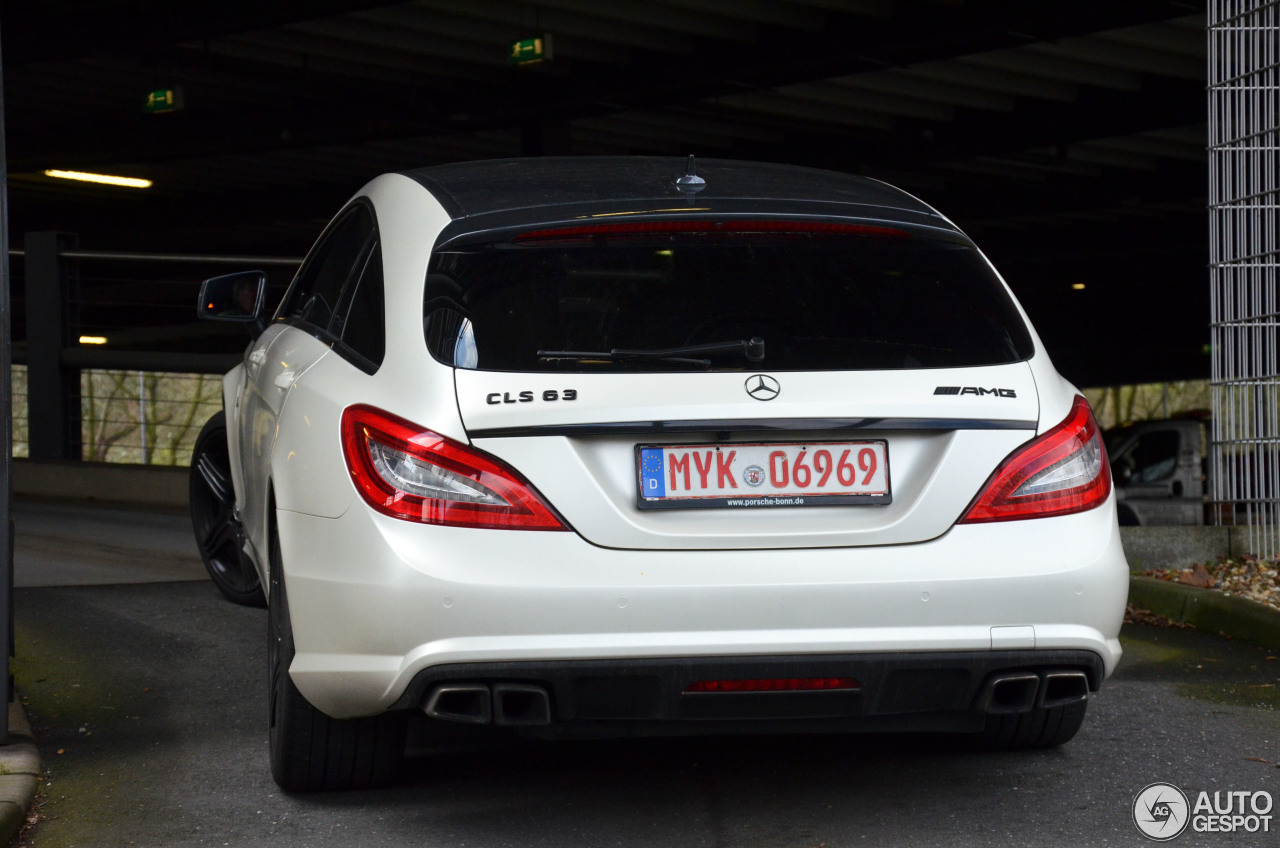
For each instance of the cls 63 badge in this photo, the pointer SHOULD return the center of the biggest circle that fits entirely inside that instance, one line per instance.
(496, 398)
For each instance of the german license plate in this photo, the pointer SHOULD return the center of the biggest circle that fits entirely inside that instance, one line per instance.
(764, 475)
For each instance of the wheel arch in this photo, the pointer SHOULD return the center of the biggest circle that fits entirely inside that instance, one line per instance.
(1127, 516)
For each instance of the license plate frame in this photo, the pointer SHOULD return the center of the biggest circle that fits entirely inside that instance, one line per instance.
(714, 455)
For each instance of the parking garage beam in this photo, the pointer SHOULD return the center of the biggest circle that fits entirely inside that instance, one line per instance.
(53, 397)
(6, 434)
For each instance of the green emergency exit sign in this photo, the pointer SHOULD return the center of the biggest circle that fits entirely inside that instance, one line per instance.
(527, 51)
(163, 100)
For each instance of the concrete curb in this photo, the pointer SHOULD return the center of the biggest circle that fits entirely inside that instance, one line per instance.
(19, 774)
(147, 486)
(1207, 609)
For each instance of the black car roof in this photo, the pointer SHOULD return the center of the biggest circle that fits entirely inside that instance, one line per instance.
(500, 193)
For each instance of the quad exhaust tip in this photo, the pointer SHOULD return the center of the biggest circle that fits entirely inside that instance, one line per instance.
(469, 703)
(1011, 693)
(1059, 688)
(1019, 692)
(519, 705)
(503, 704)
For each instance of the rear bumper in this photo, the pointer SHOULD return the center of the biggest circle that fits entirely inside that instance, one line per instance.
(944, 692)
(381, 606)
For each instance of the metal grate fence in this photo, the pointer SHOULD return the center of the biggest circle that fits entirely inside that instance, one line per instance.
(144, 417)
(1244, 202)
(18, 408)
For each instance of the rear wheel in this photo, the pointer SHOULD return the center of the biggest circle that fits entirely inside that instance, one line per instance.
(1047, 727)
(309, 750)
(218, 533)
(1126, 516)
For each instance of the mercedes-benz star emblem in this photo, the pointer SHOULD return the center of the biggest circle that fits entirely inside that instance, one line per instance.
(763, 387)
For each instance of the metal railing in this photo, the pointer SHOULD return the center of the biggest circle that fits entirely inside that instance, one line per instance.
(1244, 204)
(125, 371)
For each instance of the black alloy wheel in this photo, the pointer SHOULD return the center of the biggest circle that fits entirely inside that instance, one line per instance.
(218, 534)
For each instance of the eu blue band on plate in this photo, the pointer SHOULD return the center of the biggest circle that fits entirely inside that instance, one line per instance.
(653, 482)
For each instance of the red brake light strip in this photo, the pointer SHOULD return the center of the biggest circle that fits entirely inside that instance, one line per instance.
(697, 227)
(786, 684)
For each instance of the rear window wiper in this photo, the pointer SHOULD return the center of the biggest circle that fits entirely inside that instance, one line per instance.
(752, 349)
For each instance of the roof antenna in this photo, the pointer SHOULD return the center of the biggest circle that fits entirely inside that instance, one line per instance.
(690, 183)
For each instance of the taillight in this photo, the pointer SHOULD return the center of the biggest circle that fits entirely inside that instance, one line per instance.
(1061, 472)
(407, 472)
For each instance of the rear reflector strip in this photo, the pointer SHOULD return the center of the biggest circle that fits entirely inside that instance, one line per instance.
(783, 684)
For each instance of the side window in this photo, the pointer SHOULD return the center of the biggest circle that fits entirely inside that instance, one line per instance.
(319, 285)
(363, 331)
(1150, 459)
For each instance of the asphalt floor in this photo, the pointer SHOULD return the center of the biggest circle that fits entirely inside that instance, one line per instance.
(147, 694)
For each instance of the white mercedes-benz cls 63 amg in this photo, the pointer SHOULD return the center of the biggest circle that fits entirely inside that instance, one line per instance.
(620, 446)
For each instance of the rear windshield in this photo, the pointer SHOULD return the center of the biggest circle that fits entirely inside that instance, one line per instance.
(795, 301)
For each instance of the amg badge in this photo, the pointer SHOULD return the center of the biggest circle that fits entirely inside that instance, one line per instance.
(974, 390)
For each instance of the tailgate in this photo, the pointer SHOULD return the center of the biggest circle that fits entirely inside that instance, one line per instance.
(577, 438)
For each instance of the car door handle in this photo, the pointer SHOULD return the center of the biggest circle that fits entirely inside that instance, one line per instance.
(258, 356)
(284, 379)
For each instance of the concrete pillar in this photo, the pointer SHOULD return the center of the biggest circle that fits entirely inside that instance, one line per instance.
(53, 391)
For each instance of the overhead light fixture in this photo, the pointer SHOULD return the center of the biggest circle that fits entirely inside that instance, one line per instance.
(93, 340)
(104, 179)
(1078, 286)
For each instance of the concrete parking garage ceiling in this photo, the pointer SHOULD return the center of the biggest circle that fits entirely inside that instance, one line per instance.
(1068, 138)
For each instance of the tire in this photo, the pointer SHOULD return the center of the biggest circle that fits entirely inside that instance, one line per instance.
(309, 750)
(1042, 728)
(219, 536)
(1127, 517)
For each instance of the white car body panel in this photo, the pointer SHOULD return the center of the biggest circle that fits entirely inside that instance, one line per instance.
(273, 365)
(593, 482)
(233, 385)
(722, 395)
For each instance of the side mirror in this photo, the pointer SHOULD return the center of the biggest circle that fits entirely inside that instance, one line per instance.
(233, 297)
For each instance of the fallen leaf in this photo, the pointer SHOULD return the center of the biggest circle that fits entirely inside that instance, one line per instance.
(1199, 577)
(1137, 615)
(1256, 760)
